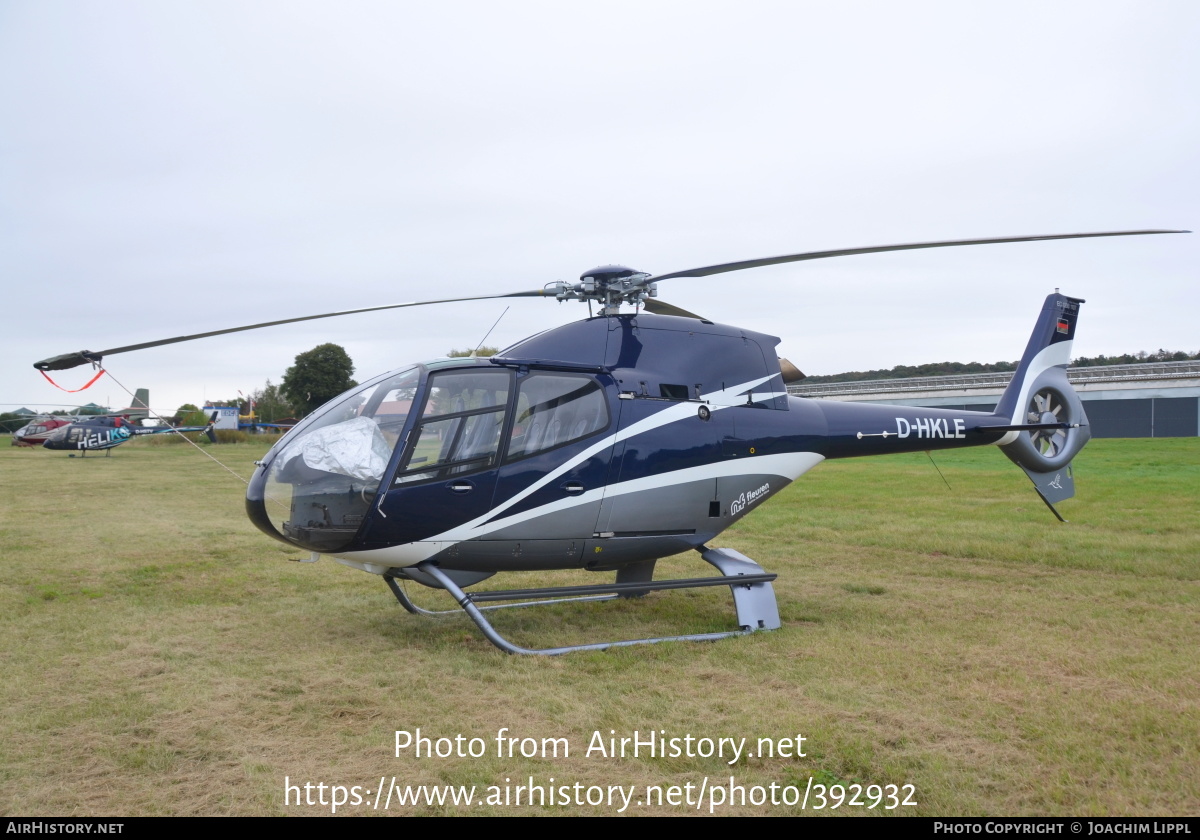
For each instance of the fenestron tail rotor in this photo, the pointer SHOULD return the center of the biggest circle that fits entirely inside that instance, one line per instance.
(1047, 407)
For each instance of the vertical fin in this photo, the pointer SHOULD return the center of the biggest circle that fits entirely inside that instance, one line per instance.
(1040, 393)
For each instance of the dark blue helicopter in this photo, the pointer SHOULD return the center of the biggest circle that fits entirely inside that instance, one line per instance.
(609, 443)
(102, 431)
(106, 432)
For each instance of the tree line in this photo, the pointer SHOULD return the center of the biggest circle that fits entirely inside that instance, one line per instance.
(961, 368)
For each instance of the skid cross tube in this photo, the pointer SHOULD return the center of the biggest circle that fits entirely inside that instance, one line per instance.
(753, 596)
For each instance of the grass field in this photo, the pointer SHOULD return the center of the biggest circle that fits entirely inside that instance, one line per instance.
(161, 656)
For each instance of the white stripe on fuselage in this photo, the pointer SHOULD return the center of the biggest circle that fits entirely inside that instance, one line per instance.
(789, 465)
(679, 411)
(1047, 357)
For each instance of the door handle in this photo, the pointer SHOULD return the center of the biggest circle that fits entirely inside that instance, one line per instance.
(572, 487)
(460, 487)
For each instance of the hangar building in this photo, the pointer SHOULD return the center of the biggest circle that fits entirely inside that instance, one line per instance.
(1154, 399)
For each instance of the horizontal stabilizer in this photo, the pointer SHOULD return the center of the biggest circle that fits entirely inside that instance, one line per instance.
(1029, 427)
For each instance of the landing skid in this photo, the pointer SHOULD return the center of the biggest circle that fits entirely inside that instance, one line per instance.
(753, 597)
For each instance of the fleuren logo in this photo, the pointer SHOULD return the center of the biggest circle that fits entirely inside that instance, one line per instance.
(924, 427)
(748, 498)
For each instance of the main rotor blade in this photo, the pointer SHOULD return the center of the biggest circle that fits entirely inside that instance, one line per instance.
(70, 360)
(660, 307)
(705, 271)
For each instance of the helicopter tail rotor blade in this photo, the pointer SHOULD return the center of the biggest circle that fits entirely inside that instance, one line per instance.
(70, 360)
(705, 271)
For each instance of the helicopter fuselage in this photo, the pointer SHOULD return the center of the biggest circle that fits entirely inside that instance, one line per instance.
(36, 432)
(95, 433)
(600, 444)
(106, 431)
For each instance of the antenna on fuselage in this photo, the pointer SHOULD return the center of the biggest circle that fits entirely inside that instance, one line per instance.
(489, 332)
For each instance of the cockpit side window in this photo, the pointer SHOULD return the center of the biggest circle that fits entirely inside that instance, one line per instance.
(555, 409)
(460, 426)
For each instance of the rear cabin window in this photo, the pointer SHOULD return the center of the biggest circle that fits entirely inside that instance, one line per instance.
(555, 409)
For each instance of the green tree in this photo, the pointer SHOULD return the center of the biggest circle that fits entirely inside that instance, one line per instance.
(317, 377)
(11, 421)
(270, 405)
(482, 351)
(189, 415)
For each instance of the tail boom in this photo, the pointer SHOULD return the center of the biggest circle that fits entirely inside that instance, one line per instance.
(1039, 422)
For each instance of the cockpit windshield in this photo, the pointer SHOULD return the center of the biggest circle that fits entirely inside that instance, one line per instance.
(351, 444)
(327, 471)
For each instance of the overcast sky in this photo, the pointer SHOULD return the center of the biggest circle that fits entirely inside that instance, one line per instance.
(168, 168)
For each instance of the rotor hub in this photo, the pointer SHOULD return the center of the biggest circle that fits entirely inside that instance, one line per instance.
(610, 286)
